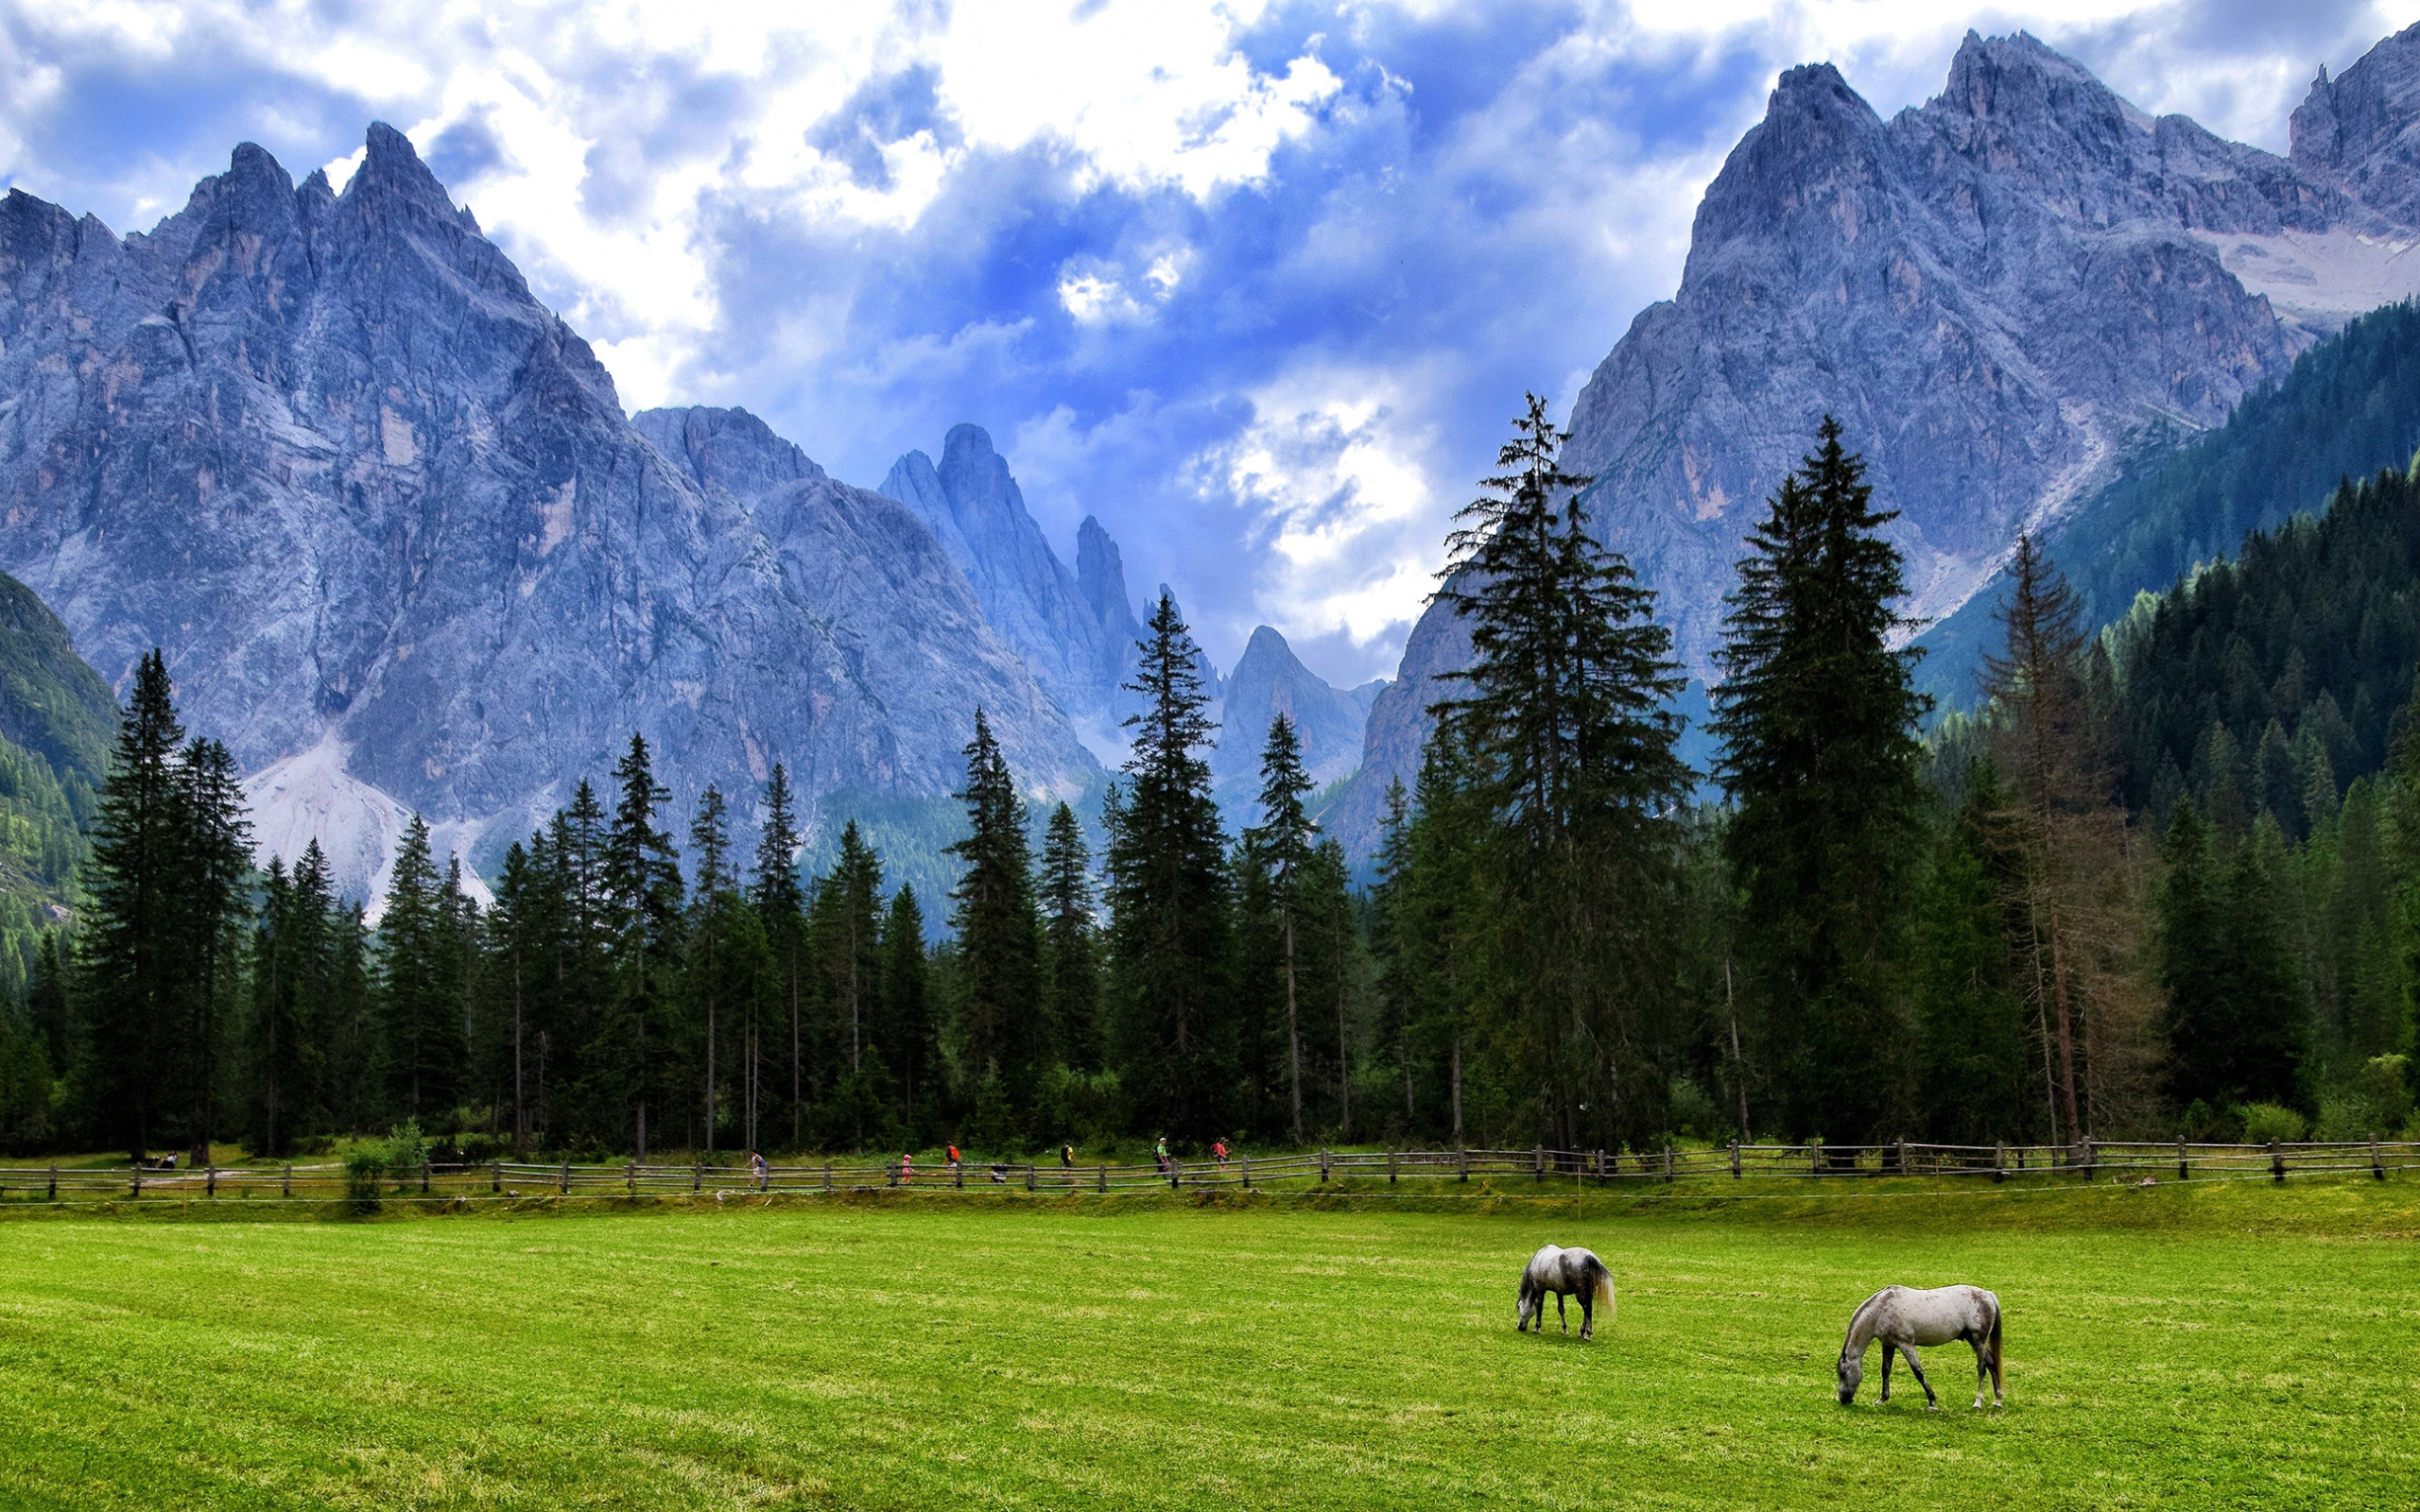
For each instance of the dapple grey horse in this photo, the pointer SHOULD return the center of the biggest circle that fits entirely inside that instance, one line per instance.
(1902, 1318)
(1566, 1273)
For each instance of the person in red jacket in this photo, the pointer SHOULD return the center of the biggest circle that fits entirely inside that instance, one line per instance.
(953, 1158)
(1218, 1151)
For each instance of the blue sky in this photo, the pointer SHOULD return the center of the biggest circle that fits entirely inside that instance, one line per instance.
(1257, 283)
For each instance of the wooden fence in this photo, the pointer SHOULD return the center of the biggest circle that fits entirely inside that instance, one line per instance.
(2092, 1160)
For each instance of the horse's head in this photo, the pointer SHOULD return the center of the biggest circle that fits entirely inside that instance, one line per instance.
(1852, 1376)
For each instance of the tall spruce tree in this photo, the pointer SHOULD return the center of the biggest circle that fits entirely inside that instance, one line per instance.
(131, 969)
(1280, 848)
(213, 866)
(1569, 746)
(1169, 900)
(421, 1028)
(913, 1044)
(2070, 837)
(849, 939)
(998, 938)
(781, 907)
(1071, 943)
(1816, 715)
(641, 881)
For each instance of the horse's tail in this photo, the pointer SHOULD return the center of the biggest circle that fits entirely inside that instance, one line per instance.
(1604, 1289)
(1995, 1347)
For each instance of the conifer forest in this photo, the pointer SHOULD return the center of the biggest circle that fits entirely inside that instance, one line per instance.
(2163, 878)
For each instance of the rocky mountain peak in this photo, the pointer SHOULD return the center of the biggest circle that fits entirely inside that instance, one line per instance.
(2362, 130)
(383, 511)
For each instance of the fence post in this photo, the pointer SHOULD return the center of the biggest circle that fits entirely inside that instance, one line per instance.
(2376, 1169)
(698, 1178)
(827, 1175)
(1104, 1174)
(1247, 1174)
(958, 1176)
(764, 1178)
(2183, 1170)
(1735, 1161)
(138, 1182)
(496, 1176)
(1176, 1172)
(2000, 1161)
(564, 1188)
(1463, 1158)
(54, 1179)
(1667, 1163)
(1391, 1165)
(1323, 1165)
(209, 1182)
(1814, 1159)
(2276, 1161)
(1028, 1177)
(285, 1183)
(1539, 1156)
(2091, 1160)
(423, 1178)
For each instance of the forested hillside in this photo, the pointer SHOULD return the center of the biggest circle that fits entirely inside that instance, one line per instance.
(2349, 407)
(57, 721)
(2265, 684)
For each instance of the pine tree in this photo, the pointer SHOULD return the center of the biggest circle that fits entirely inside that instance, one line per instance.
(781, 907)
(131, 973)
(2235, 1025)
(1566, 744)
(999, 934)
(1280, 848)
(1816, 715)
(421, 1030)
(849, 904)
(213, 868)
(912, 1044)
(292, 973)
(1071, 943)
(641, 881)
(1169, 900)
(1393, 942)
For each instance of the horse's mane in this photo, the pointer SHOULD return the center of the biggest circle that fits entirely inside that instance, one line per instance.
(1864, 1310)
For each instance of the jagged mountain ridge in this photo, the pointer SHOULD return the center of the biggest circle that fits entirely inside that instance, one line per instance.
(384, 513)
(1076, 630)
(2002, 294)
(1078, 633)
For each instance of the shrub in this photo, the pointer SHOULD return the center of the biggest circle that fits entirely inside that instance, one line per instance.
(2263, 1121)
(399, 1155)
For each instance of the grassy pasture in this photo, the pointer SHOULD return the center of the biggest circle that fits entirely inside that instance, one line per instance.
(2207, 1345)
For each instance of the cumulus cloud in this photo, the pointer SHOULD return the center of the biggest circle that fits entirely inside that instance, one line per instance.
(1259, 284)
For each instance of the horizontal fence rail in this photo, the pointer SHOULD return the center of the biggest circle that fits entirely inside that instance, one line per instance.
(2134, 1162)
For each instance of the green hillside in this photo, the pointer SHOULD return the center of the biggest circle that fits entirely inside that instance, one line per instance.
(58, 721)
(2270, 682)
(2349, 407)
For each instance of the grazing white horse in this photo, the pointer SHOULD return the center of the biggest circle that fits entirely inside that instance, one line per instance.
(1566, 1273)
(1903, 1317)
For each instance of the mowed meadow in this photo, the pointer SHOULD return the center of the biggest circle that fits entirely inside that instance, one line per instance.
(2232, 1345)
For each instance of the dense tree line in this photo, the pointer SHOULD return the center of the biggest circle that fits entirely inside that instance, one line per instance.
(2007, 932)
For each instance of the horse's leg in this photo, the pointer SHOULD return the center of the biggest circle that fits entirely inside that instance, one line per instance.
(1587, 1315)
(1887, 1350)
(1931, 1402)
(1560, 1316)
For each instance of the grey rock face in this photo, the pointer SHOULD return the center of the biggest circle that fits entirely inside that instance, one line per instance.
(2000, 294)
(1267, 681)
(1076, 630)
(385, 514)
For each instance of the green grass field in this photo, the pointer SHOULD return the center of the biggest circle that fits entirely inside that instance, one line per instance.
(2211, 1345)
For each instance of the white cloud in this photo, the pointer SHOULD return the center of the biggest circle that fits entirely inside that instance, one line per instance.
(1341, 485)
